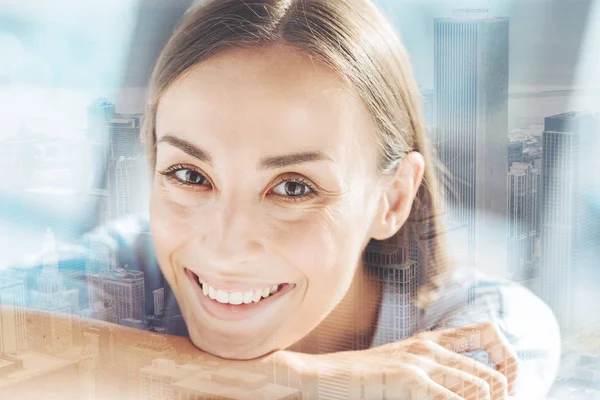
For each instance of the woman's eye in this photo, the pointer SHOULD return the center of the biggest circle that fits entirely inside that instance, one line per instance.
(293, 188)
(190, 177)
(185, 176)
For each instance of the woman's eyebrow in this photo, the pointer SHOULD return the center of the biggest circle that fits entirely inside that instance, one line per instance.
(271, 162)
(187, 147)
(291, 159)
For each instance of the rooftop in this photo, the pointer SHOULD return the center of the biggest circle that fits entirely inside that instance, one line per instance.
(34, 364)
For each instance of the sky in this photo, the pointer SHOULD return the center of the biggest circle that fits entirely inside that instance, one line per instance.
(114, 42)
(58, 55)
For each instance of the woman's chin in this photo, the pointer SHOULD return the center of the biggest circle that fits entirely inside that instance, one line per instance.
(231, 350)
(229, 354)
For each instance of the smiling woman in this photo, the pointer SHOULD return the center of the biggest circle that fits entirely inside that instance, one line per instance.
(283, 177)
(291, 173)
(286, 137)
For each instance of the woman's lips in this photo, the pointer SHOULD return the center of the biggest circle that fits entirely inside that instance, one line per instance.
(235, 312)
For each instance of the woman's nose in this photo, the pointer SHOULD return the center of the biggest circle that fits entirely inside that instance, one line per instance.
(233, 236)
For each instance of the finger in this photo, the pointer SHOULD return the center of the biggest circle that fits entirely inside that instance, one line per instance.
(433, 391)
(423, 387)
(495, 380)
(469, 387)
(486, 336)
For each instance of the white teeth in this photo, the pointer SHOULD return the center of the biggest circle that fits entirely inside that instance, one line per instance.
(266, 292)
(248, 297)
(235, 298)
(222, 296)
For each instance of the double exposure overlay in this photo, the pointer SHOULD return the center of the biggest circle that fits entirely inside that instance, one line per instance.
(301, 199)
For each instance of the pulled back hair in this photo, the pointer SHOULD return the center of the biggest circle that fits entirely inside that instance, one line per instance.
(355, 40)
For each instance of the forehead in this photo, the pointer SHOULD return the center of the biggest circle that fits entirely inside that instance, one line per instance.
(275, 99)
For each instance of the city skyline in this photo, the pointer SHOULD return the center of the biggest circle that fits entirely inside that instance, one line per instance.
(523, 208)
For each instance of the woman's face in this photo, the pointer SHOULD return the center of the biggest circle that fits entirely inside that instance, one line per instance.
(265, 184)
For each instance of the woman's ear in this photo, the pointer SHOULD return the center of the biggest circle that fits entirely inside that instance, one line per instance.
(398, 196)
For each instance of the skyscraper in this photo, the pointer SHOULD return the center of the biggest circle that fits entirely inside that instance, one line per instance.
(53, 325)
(130, 189)
(427, 101)
(159, 301)
(522, 210)
(124, 136)
(515, 152)
(567, 271)
(99, 113)
(124, 144)
(122, 288)
(390, 264)
(13, 325)
(471, 103)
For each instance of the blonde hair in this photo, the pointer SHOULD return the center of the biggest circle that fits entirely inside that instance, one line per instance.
(354, 39)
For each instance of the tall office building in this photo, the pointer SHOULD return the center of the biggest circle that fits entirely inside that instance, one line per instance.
(537, 174)
(124, 136)
(130, 189)
(123, 133)
(52, 331)
(159, 301)
(522, 211)
(13, 324)
(427, 101)
(398, 274)
(515, 151)
(103, 311)
(569, 268)
(99, 113)
(122, 288)
(101, 253)
(100, 198)
(471, 117)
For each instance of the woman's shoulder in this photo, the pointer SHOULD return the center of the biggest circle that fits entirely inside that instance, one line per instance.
(471, 292)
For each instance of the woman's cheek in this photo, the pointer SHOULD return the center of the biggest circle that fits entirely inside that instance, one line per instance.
(172, 226)
(309, 243)
(166, 217)
(179, 196)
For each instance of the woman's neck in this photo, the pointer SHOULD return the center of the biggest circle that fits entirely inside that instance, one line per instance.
(351, 325)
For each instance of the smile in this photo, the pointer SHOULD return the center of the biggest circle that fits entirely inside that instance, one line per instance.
(235, 298)
(238, 303)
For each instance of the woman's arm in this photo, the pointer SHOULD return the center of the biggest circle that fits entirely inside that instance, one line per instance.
(116, 362)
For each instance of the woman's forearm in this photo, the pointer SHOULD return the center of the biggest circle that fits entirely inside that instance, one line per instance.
(114, 361)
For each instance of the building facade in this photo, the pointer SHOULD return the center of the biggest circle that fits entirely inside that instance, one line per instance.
(567, 270)
(471, 135)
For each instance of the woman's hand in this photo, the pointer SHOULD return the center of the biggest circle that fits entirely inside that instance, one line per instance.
(425, 366)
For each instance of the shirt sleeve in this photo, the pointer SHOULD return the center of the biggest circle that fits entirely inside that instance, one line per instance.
(525, 320)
